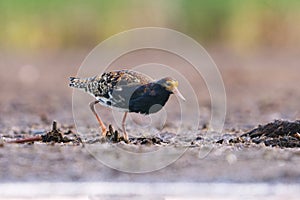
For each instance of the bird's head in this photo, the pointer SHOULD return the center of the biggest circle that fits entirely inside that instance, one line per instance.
(171, 85)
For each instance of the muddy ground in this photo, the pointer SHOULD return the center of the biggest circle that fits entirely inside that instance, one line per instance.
(260, 88)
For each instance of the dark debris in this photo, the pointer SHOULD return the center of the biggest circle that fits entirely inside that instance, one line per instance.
(115, 136)
(57, 136)
(278, 133)
(148, 141)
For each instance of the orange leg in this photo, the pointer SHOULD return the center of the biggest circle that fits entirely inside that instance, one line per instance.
(103, 127)
(123, 126)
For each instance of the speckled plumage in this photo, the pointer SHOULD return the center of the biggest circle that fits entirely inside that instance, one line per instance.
(100, 85)
(122, 90)
(127, 91)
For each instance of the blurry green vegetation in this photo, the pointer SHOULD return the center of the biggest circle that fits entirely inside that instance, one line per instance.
(244, 24)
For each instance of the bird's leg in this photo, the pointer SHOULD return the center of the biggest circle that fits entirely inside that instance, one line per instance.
(103, 127)
(123, 126)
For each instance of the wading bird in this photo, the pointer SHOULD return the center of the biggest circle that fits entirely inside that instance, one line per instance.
(127, 91)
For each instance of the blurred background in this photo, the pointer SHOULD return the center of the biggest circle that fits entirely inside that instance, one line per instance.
(244, 25)
(255, 44)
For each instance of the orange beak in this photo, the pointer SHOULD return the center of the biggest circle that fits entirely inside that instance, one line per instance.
(177, 93)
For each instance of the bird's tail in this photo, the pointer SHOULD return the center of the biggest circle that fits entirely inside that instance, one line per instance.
(77, 83)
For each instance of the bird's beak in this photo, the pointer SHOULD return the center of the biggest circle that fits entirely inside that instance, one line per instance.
(177, 93)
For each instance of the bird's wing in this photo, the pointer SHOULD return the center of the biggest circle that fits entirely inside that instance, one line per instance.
(121, 85)
(129, 77)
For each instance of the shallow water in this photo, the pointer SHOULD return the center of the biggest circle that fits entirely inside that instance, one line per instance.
(167, 190)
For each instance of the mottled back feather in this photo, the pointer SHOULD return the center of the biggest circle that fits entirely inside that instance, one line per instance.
(125, 90)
